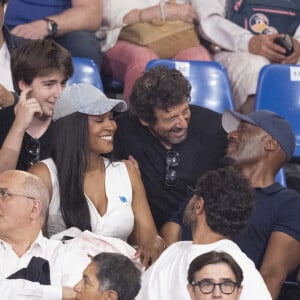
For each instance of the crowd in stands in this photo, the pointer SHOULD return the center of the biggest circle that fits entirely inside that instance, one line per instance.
(145, 196)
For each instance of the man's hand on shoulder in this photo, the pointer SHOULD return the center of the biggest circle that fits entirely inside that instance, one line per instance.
(6, 97)
(132, 164)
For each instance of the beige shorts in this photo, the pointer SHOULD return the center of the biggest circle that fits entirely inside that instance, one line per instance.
(243, 70)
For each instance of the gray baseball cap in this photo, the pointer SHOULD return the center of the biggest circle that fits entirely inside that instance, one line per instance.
(275, 125)
(87, 99)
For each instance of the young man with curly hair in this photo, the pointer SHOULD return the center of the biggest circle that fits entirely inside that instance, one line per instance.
(218, 209)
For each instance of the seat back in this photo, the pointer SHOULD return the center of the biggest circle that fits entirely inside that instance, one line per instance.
(209, 81)
(85, 70)
(278, 90)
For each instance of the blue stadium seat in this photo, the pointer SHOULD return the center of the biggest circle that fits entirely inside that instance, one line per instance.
(280, 177)
(278, 90)
(85, 70)
(209, 81)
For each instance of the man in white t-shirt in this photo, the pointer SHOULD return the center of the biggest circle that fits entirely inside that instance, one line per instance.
(7, 43)
(219, 208)
(24, 201)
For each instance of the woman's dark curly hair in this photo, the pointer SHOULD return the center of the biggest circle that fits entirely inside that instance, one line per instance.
(228, 200)
(161, 88)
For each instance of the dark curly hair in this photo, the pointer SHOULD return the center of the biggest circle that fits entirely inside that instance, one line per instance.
(3, 2)
(228, 200)
(161, 88)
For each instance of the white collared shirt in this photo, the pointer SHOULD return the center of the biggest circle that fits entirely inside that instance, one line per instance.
(66, 266)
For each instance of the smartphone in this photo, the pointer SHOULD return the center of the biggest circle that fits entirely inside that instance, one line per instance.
(285, 42)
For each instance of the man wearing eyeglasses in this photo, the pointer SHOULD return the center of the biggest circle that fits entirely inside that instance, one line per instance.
(172, 141)
(40, 70)
(214, 274)
(32, 267)
(220, 207)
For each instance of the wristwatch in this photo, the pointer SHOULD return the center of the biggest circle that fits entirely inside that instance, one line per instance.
(52, 27)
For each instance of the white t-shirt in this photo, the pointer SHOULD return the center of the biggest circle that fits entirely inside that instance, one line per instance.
(167, 278)
(5, 74)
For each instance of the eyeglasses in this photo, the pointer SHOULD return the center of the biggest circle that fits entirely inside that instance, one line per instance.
(33, 147)
(207, 287)
(172, 160)
(4, 194)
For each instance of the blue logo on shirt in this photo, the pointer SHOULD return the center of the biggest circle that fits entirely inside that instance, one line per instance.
(123, 199)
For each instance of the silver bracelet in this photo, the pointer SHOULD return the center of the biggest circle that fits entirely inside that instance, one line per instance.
(164, 244)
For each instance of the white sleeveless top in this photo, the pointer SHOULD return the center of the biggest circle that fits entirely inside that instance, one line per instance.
(118, 219)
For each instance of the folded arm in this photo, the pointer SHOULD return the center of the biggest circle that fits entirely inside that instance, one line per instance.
(21, 289)
(184, 12)
(6, 97)
(83, 15)
(281, 257)
(217, 29)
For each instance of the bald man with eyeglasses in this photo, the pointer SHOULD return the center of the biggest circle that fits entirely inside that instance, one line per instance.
(32, 266)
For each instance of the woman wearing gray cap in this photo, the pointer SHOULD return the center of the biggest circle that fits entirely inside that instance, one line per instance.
(87, 190)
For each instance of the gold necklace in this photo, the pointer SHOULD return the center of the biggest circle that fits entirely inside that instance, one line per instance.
(99, 166)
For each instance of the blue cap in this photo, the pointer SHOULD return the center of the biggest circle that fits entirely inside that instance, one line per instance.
(275, 125)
